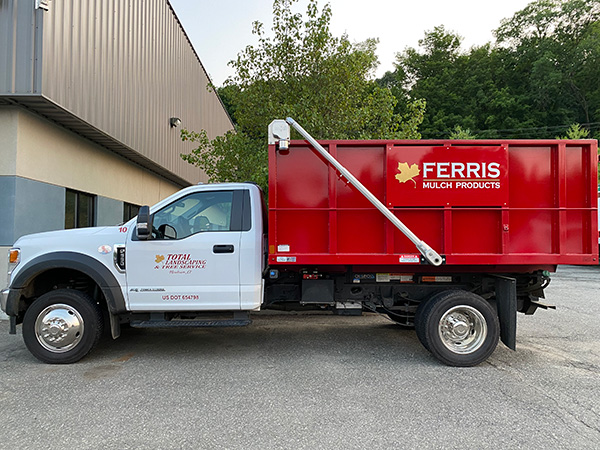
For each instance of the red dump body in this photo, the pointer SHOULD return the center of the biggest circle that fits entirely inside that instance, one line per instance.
(485, 205)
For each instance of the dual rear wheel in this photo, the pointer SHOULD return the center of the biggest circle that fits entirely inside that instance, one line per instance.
(458, 327)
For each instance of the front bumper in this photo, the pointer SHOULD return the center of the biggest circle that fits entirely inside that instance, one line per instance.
(4, 299)
(9, 301)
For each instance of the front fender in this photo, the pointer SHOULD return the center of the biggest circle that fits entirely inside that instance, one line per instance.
(93, 268)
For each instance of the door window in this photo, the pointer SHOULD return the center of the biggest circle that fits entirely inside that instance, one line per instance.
(195, 213)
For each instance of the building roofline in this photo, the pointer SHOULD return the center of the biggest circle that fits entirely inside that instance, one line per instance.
(50, 110)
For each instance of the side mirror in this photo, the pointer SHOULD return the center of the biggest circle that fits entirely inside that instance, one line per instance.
(167, 231)
(143, 228)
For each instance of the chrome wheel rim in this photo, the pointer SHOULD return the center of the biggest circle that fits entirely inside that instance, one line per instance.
(59, 328)
(462, 329)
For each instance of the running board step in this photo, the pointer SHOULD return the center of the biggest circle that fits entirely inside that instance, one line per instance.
(190, 323)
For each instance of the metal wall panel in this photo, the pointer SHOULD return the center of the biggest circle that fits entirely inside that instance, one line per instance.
(19, 42)
(124, 67)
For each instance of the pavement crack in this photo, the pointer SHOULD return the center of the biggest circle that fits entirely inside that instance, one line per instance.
(585, 366)
(558, 410)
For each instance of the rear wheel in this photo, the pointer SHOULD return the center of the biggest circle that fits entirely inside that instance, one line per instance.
(458, 327)
(62, 326)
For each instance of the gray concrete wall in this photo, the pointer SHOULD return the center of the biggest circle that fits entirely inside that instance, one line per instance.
(38, 207)
(108, 211)
(29, 207)
(3, 277)
(7, 209)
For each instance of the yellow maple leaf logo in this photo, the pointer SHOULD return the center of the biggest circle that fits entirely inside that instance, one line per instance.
(159, 258)
(407, 173)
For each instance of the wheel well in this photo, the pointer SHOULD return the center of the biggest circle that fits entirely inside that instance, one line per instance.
(61, 278)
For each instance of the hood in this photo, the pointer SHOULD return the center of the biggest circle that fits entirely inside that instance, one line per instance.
(88, 241)
(61, 235)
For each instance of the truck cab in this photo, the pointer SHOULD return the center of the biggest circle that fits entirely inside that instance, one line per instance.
(199, 250)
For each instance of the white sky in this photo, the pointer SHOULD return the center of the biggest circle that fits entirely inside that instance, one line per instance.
(219, 30)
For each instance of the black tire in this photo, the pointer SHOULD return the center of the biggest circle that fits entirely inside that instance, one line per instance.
(403, 321)
(458, 327)
(419, 326)
(62, 326)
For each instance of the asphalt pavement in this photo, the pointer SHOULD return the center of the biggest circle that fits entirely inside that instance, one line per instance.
(314, 381)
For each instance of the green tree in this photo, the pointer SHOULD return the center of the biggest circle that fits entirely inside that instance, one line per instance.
(575, 131)
(431, 74)
(302, 71)
(460, 133)
(231, 157)
(557, 46)
(459, 88)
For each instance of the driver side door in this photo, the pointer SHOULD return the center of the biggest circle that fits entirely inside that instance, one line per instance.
(192, 261)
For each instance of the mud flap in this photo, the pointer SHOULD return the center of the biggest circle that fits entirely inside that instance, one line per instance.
(115, 325)
(506, 303)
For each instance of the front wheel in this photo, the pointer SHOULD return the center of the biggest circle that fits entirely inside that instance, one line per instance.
(62, 326)
(458, 327)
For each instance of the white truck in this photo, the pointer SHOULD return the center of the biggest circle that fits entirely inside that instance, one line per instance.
(200, 240)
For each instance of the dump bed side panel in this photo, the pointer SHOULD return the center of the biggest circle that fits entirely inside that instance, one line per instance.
(502, 203)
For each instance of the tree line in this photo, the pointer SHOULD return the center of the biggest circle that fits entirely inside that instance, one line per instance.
(540, 78)
(540, 75)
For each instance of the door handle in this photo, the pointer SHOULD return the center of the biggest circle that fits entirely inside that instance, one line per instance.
(223, 248)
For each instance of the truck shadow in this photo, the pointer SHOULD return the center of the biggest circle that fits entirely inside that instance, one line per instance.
(275, 337)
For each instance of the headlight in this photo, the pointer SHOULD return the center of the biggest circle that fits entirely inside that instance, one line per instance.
(14, 258)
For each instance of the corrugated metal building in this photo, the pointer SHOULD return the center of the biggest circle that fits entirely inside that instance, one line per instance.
(87, 93)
